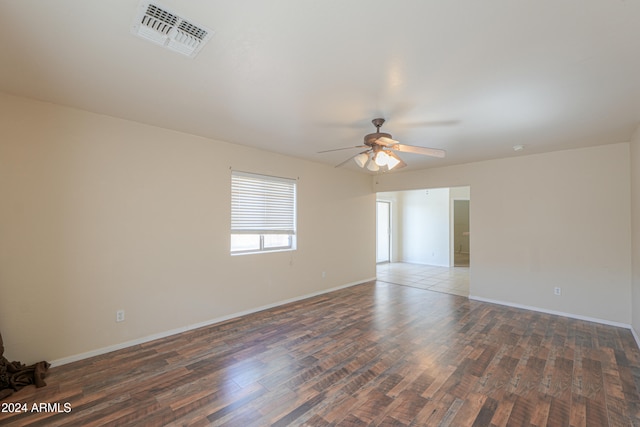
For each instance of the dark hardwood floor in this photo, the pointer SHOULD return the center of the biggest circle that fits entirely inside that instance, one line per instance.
(372, 354)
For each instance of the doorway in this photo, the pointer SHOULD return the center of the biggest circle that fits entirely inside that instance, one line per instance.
(420, 242)
(383, 232)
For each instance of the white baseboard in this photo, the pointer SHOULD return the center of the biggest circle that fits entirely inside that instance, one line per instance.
(120, 346)
(635, 336)
(557, 313)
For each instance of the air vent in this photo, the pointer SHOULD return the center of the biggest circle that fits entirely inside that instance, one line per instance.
(160, 26)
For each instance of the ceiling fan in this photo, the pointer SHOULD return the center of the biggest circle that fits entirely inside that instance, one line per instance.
(380, 151)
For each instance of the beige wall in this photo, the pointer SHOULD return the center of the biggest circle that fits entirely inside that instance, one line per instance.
(99, 214)
(635, 225)
(426, 227)
(541, 221)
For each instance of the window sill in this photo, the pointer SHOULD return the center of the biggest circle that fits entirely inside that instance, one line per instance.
(270, 251)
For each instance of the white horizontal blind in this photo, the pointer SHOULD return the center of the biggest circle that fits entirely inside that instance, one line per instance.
(262, 204)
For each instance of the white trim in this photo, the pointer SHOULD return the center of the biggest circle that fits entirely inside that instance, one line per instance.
(635, 336)
(108, 349)
(556, 313)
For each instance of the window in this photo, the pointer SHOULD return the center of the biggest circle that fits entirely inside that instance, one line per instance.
(263, 213)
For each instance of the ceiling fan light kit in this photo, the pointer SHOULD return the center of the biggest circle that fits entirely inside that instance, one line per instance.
(380, 153)
(373, 167)
(361, 159)
(393, 160)
(381, 158)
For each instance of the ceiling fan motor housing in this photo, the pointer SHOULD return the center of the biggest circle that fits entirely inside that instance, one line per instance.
(371, 139)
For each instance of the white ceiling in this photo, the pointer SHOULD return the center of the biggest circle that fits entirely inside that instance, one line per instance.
(298, 76)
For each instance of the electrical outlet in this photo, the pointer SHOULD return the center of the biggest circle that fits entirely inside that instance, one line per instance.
(120, 316)
(557, 291)
(324, 274)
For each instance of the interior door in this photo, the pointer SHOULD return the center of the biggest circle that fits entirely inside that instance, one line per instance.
(383, 232)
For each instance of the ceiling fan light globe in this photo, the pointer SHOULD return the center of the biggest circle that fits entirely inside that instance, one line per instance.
(361, 159)
(392, 162)
(373, 167)
(382, 158)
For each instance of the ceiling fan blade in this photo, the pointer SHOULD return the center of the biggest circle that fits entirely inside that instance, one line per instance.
(433, 152)
(388, 142)
(351, 158)
(344, 148)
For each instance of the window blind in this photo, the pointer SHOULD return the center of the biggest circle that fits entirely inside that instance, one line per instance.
(262, 204)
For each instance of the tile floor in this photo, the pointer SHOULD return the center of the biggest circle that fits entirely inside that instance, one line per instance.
(454, 280)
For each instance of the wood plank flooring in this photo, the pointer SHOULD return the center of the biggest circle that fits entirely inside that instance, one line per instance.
(373, 354)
